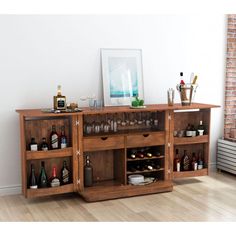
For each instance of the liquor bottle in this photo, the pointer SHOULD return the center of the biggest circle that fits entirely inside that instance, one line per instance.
(59, 101)
(200, 161)
(55, 181)
(194, 161)
(88, 173)
(54, 142)
(63, 138)
(44, 145)
(177, 161)
(33, 146)
(188, 131)
(65, 174)
(200, 128)
(32, 179)
(43, 180)
(185, 161)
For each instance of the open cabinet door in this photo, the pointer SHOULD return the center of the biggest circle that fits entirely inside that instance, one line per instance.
(79, 153)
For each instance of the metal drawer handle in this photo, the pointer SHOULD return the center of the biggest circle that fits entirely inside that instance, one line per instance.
(145, 135)
(104, 138)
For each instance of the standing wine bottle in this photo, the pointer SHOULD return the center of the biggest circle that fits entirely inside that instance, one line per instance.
(185, 161)
(43, 180)
(177, 161)
(44, 145)
(54, 138)
(88, 173)
(33, 146)
(55, 181)
(200, 161)
(32, 179)
(65, 174)
(194, 161)
(200, 128)
(63, 138)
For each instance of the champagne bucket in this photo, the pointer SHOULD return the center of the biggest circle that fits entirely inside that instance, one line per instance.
(187, 93)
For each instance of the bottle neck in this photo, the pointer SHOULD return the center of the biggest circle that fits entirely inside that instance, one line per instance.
(58, 90)
(54, 173)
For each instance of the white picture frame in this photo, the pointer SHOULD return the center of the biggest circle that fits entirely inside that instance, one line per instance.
(122, 76)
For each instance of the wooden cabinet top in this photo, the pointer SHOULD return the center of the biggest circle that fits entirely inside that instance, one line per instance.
(116, 109)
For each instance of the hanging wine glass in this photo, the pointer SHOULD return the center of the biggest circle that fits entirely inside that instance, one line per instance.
(97, 126)
(131, 119)
(123, 122)
(106, 126)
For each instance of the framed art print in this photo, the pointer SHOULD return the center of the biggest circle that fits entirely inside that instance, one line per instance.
(122, 76)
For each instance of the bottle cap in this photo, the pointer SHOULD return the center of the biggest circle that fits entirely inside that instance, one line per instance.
(181, 73)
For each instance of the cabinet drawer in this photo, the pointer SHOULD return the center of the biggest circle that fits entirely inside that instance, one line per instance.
(146, 139)
(103, 143)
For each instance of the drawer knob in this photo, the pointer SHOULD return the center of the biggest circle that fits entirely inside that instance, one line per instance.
(145, 135)
(104, 138)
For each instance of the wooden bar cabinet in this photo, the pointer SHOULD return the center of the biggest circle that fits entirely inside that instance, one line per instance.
(150, 128)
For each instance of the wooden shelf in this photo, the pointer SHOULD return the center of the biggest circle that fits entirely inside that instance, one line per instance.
(58, 153)
(41, 192)
(144, 171)
(112, 190)
(191, 140)
(184, 174)
(146, 158)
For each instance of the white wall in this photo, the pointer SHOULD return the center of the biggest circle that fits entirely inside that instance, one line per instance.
(39, 52)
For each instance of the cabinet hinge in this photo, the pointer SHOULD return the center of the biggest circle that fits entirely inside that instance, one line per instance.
(169, 117)
(78, 181)
(78, 152)
(77, 123)
(168, 144)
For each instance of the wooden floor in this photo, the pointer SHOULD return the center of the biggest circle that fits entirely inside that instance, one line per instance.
(209, 198)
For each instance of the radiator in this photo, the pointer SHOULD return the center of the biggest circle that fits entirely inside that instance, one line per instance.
(226, 156)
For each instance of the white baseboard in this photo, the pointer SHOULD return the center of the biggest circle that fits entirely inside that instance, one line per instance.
(10, 190)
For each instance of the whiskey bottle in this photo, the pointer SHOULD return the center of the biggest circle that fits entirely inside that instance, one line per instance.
(44, 145)
(194, 161)
(55, 181)
(32, 179)
(65, 174)
(88, 173)
(33, 146)
(200, 128)
(43, 180)
(177, 161)
(59, 101)
(54, 142)
(63, 138)
(185, 161)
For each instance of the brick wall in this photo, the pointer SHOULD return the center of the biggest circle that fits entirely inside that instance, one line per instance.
(230, 84)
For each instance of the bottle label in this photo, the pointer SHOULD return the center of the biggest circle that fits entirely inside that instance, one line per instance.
(54, 141)
(65, 176)
(44, 148)
(186, 163)
(195, 166)
(61, 103)
(189, 133)
(178, 167)
(200, 166)
(33, 147)
(63, 142)
(33, 186)
(55, 182)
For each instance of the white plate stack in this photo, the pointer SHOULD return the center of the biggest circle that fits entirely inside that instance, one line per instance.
(135, 179)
